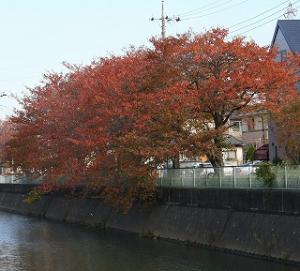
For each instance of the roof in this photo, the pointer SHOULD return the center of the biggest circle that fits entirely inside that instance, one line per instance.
(290, 29)
(231, 140)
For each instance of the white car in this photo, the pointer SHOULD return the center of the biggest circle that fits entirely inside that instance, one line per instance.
(249, 167)
(191, 164)
(227, 169)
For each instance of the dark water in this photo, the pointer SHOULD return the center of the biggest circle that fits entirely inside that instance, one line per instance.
(30, 244)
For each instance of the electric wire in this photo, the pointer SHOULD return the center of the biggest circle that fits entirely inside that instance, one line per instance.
(203, 8)
(260, 20)
(258, 26)
(216, 11)
(258, 15)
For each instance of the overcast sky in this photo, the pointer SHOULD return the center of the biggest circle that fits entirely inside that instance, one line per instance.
(38, 35)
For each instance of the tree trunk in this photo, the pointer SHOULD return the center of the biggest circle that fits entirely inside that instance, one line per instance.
(175, 161)
(216, 160)
(216, 157)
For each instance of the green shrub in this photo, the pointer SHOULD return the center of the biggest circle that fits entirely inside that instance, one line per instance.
(33, 196)
(250, 152)
(265, 174)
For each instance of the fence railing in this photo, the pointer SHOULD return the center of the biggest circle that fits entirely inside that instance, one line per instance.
(13, 179)
(287, 177)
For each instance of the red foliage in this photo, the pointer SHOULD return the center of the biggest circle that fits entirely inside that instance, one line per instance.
(224, 77)
(109, 125)
(6, 131)
(286, 125)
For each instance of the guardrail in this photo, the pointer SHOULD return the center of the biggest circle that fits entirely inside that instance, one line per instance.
(287, 177)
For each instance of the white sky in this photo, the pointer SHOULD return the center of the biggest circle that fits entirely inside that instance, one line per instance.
(38, 35)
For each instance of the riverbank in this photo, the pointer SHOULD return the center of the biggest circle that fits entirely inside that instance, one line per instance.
(225, 223)
(33, 244)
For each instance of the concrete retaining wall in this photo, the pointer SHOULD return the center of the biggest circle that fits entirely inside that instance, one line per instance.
(253, 233)
(275, 201)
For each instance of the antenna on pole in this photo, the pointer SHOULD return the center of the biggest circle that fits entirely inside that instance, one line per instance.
(291, 12)
(165, 19)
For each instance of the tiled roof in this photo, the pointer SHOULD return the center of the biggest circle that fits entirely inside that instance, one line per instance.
(291, 32)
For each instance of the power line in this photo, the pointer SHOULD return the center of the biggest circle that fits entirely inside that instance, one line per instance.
(204, 8)
(201, 8)
(260, 14)
(217, 11)
(261, 20)
(258, 26)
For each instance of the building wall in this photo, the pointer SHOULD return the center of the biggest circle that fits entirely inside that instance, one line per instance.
(281, 44)
(233, 156)
(273, 145)
(275, 151)
(254, 130)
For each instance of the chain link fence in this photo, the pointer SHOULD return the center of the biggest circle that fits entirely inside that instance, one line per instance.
(287, 177)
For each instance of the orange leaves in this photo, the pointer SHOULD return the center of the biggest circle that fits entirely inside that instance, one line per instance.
(110, 124)
(224, 76)
(286, 123)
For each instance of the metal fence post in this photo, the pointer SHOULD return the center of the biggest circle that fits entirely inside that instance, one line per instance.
(234, 177)
(285, 178)
(194, 181)
(161, 179)
(182, 183)
(250, 180)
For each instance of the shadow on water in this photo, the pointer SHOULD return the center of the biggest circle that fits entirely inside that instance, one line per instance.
(29, 244)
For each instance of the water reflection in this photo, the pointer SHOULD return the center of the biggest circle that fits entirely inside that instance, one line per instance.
(29, 244)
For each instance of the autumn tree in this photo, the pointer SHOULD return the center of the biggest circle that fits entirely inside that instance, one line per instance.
(286, 126)
(225, 76)
(6, 131)
(109, 125)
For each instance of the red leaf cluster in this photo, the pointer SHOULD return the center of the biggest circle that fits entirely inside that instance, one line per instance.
(110, 124)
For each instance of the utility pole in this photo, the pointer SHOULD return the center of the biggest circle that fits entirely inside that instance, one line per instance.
(164, 19)
(291, 12)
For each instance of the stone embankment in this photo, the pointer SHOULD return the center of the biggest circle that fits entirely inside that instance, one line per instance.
(263, 223)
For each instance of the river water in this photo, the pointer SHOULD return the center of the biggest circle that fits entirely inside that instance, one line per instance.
(30, 244)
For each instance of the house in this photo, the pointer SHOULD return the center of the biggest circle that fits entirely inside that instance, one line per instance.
(287, 39)
(252, 130)
(233, 155)
(257, 128)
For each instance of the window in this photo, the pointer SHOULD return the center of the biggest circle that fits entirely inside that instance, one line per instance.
(236, 126)
(259, 124)
(283, 55)
(244, 126)
(231, 155)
